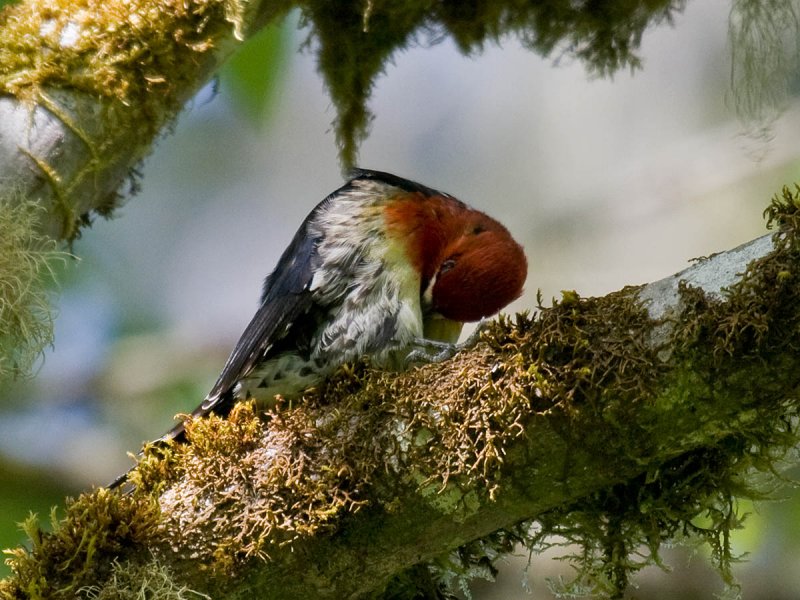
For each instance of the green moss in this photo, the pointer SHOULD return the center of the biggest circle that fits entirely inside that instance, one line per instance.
(264, 485)
(143, 53)
(77, 551)
(141, 59)
(449, 500)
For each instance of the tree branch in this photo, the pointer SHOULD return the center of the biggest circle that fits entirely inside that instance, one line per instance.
(612, 421)
(89, 85)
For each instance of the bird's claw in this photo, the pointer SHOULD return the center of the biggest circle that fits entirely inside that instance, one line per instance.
(432, 351)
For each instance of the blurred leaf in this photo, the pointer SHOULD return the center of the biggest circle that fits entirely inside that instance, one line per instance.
(23, 491)
(252, 73)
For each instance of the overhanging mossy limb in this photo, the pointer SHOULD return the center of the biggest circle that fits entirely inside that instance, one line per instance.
(575, 423)
(88, 85)
(355, 41)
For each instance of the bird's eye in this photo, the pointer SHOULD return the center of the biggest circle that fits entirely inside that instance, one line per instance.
(478, 229)
(447, 265)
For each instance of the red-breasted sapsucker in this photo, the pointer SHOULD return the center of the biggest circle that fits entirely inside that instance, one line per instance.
(377, 267)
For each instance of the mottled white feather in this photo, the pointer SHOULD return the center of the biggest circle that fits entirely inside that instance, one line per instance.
(368, 282)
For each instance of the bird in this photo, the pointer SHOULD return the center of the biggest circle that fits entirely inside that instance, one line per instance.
(383, 267)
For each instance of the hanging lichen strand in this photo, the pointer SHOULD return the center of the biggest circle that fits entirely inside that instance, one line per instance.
(356, 40)
(26, 264)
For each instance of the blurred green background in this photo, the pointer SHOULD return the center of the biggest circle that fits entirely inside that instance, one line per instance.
(606, 183)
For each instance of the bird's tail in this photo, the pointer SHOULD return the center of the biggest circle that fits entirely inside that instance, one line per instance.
(176, 434)
(219, 405)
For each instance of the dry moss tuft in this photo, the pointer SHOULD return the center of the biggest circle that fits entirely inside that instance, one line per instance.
(78, 550)
(591, 374)
(757, 317)
(265, 486)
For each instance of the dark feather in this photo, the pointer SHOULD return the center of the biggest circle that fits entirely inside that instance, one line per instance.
(285, 298)
(399, 182)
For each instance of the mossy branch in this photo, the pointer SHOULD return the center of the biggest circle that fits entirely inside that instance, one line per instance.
(618, 423)
(86, 87)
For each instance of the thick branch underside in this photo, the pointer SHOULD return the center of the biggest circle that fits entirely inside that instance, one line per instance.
(86, 87)
(642, 410)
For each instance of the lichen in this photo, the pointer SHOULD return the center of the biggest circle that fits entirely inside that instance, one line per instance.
(133, 581)
(26, 262)
(355, 41)
(763, 59)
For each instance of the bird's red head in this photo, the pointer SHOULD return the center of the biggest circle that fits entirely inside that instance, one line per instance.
(470, 265)
(482, 269)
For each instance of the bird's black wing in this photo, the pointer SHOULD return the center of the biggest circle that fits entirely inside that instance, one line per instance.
(285, 300)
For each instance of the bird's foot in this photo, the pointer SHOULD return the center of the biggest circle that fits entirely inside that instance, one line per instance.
(433, 351)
